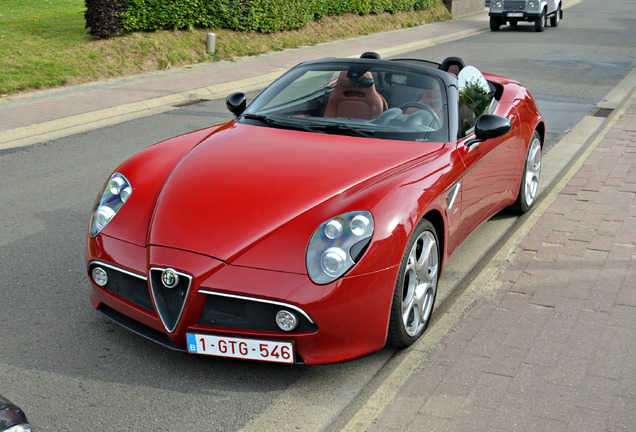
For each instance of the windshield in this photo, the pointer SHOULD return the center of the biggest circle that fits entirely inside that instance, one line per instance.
(378, 100)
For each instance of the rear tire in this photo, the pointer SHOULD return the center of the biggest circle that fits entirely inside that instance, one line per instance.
(416, 287)
(529, 187)
(554, 19)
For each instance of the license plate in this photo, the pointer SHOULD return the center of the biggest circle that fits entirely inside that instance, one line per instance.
(515, 14)
(244, 348)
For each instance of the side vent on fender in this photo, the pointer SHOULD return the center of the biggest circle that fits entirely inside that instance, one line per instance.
(452, 195)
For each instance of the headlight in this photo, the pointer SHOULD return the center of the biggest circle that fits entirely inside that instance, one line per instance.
(116, 192)
(498, 4)
(532, 5)
(337, 245)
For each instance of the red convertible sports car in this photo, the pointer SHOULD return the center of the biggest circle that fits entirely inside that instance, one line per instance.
(314, 226)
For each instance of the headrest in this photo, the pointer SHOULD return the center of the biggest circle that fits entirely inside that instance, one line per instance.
(360, 79)
(371, 55)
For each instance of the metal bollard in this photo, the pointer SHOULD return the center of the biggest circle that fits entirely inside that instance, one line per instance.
(210, 43)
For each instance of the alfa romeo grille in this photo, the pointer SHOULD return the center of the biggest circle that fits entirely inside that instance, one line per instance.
(169, 299)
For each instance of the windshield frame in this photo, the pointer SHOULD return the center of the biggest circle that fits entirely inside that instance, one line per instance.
(263, 112)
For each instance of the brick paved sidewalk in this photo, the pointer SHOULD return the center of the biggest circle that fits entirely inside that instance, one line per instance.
(554, 347)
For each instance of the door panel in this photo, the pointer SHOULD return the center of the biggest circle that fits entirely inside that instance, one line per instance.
(490, 168)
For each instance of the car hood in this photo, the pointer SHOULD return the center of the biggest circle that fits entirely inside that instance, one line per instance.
(243, 182)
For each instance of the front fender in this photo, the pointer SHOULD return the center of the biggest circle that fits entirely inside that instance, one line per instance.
(147, 172)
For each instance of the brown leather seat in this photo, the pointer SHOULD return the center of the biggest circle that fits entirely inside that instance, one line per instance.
(355, 97)
(432, 97)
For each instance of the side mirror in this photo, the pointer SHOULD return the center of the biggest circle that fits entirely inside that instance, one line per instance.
(236, 103)
(491, 126)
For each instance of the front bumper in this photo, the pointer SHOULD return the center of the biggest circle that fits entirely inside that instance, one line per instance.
(515, 15)
(337, 322)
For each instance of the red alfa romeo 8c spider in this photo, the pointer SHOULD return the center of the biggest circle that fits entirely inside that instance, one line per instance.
(313, 227)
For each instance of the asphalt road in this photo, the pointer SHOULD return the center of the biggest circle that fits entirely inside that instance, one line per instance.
(73, 370)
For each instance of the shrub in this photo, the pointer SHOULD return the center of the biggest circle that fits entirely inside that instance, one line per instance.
(106, 18)
(103, 17)
(274, 15)
(144, 15)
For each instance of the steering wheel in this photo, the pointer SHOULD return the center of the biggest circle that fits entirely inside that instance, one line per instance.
(436, 120)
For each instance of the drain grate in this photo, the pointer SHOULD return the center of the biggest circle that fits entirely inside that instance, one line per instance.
(602, 112)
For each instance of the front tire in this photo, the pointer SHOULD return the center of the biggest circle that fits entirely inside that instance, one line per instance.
(530, 178)
(539, 24)
(416, 287)
(495, 23)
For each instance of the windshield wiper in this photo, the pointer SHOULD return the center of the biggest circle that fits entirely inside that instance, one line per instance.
(340, 127)
(263, 119)
(313, 127)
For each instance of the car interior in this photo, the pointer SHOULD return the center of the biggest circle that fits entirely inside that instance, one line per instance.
(355, 96)
(391, 97)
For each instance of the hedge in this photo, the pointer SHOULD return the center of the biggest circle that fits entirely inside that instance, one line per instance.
(105, 18)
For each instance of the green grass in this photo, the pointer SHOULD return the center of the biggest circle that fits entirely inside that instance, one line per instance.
(36, 36)
(43, 43)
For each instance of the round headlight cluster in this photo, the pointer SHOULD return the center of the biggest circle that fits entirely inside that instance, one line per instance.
(116, 192)
(337, 244)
